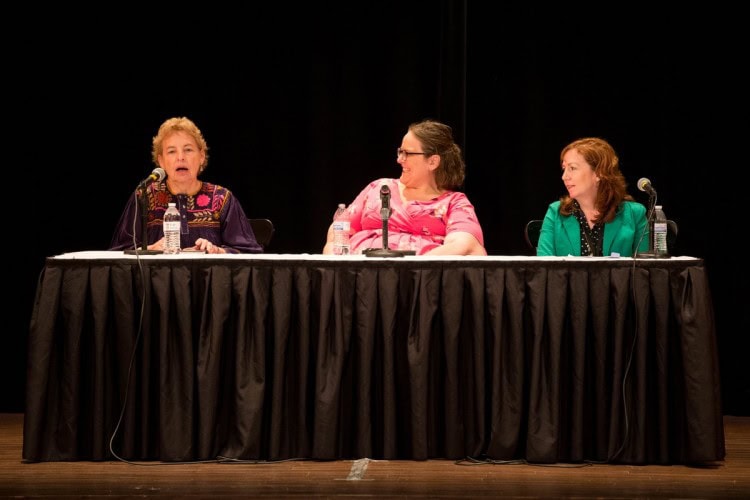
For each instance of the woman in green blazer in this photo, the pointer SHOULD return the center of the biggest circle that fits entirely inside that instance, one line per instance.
(597, 217)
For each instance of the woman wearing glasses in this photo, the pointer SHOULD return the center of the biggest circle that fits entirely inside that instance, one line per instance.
(427, 213)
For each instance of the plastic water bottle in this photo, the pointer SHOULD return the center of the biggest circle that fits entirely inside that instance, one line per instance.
(341, 231)
(660, 232)
(172, 230)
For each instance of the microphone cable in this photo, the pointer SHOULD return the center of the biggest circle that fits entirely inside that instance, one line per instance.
(137, 336)
(629, 362)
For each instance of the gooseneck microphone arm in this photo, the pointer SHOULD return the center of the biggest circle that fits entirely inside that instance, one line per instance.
(644, 184)
(157, 175)
(143, 207)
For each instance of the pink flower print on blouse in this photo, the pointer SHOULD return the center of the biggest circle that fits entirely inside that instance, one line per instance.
(202, 200)
(440, 210)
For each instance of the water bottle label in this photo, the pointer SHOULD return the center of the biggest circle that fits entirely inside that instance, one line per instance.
(340, 249)
(660, 238)
(171, 226)
(341, 237)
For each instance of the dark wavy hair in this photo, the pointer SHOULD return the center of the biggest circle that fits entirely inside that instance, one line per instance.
(437, 139)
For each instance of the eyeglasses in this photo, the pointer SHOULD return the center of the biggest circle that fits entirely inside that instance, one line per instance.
(402, 153)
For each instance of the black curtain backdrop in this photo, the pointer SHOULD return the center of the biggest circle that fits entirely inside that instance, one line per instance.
(302, 106)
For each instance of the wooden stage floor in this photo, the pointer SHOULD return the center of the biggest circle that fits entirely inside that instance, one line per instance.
(371, 478)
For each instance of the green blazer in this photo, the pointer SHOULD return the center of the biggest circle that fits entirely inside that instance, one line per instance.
(561, 234)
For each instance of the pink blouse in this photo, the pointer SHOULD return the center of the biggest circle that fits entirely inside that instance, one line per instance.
(414, 225)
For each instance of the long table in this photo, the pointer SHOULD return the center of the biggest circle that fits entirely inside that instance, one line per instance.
(272, 357)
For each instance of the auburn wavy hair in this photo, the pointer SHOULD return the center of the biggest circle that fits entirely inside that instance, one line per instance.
(612, 188)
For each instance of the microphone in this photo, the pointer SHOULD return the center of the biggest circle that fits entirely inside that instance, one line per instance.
(385, 200)
(157, 175)
(385, 213)
(645, 185)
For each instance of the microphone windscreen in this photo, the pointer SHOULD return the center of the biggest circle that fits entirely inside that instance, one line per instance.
(159, 173)
(642, 183)
(385, 196)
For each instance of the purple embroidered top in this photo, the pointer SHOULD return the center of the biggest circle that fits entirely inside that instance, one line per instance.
(212, 213)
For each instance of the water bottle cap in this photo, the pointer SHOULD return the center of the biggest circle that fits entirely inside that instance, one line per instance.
(342, 205)
(172, 204)
(657, 207)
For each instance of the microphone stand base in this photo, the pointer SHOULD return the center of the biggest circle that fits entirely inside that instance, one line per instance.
(142, 251)
(387, 252)
(650, 255)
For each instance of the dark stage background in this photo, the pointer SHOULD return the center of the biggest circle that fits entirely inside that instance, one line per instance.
(302, 106)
